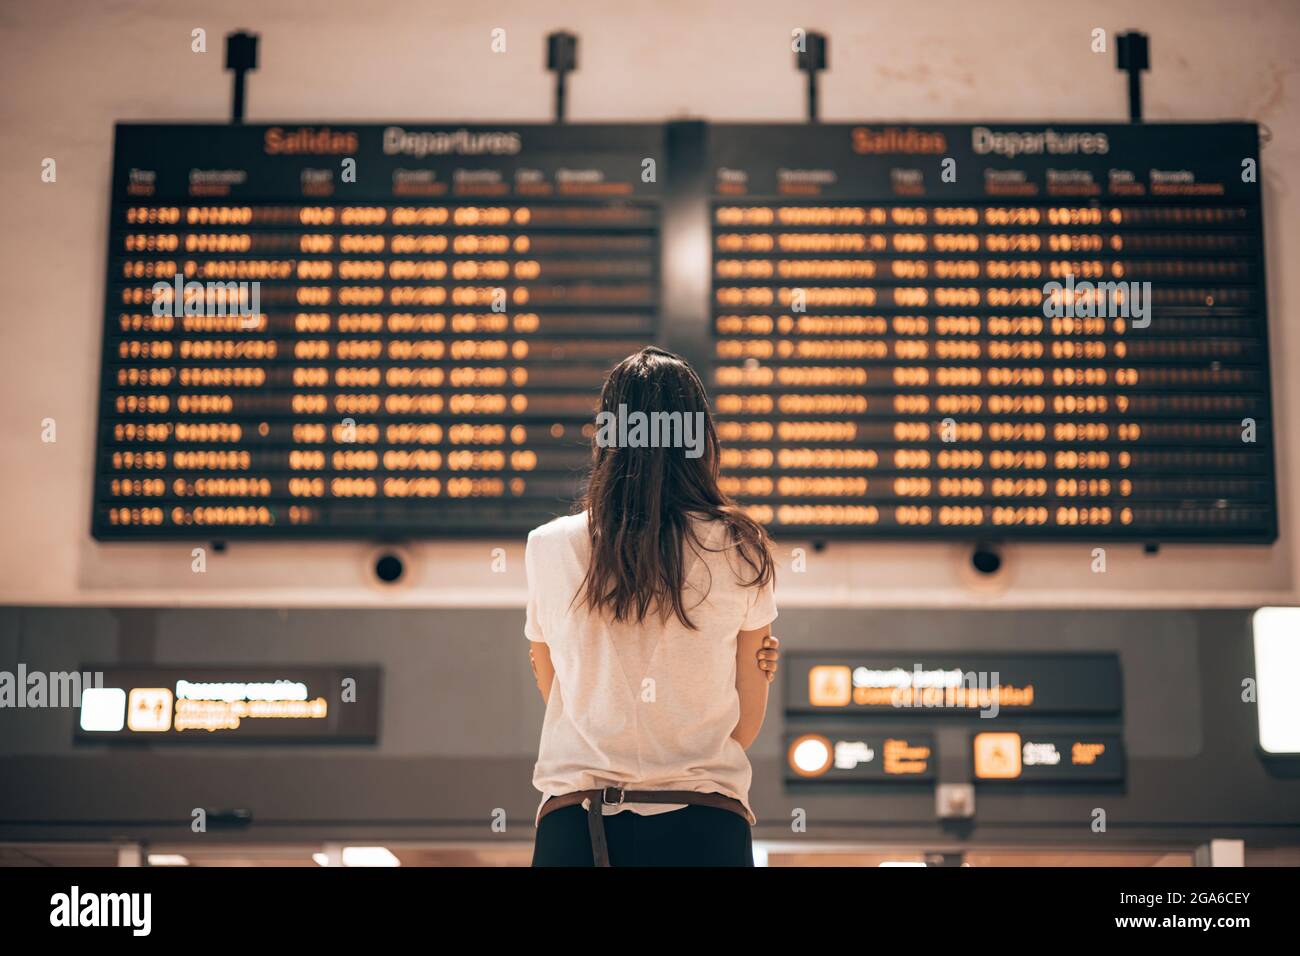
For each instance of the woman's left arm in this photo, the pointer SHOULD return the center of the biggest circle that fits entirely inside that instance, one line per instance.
(539, 656)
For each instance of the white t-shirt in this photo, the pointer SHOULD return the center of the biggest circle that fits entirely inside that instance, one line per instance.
(647, 706)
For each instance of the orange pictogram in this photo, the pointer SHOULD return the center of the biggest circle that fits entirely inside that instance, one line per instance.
(810, 755)
(149, 710)
(997, 756)
(830, 685)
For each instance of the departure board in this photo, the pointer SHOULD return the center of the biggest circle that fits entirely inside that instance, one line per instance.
(992, 331)
(365, 331)
(967, 332)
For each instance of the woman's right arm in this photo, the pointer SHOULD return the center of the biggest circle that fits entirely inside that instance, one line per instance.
(751, 685)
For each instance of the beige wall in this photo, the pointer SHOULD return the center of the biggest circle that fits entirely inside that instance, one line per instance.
(69, 70)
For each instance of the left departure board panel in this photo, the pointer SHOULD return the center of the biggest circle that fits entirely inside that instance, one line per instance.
(365, 331)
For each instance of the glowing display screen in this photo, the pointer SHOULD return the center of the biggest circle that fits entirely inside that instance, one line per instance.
(982, 685)
(999, 331)
(1048, 758)
(850, 756)
(358, 331)
(176, 703)
(929, 331)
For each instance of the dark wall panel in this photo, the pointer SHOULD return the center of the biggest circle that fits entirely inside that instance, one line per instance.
(459, 722)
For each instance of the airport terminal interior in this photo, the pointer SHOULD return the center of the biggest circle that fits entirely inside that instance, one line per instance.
(308, 308)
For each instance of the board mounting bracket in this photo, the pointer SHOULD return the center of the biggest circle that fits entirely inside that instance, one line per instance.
(811, 59)
(241, 56)
(561, 59)
(1133, 55)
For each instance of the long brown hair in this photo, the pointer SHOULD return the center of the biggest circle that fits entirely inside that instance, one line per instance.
(639, 499)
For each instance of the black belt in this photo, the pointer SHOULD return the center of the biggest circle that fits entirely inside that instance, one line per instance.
(617, 796)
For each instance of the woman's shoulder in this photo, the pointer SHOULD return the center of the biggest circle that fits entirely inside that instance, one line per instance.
(720, 546)
(713, 532)
(563, 529)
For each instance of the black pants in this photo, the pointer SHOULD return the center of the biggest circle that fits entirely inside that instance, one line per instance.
(691, 836)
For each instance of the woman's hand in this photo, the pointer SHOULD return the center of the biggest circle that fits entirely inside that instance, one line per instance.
(769, 657)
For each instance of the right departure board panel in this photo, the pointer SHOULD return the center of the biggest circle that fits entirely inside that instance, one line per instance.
(993, 331)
